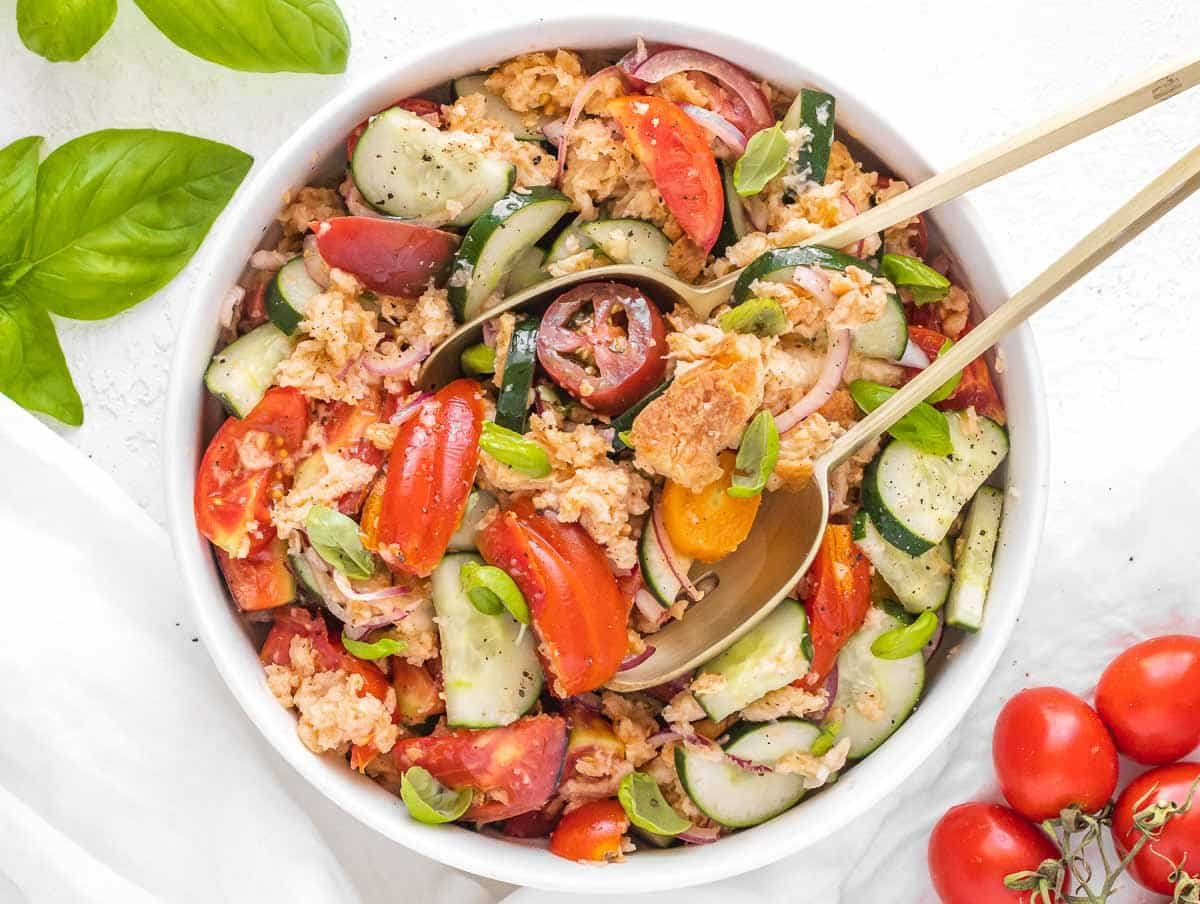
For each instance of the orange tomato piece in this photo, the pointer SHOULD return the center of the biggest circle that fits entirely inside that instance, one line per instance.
(591, 833)
(710, 524)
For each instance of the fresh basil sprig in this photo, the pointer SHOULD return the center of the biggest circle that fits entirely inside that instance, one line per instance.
(385, 646)
(765, 157)
(107, 220)
(902, 642)
(756, 457)
(335, 538)
(924, 427)
(923, 283)
(511, 448)
(646, 807)
(491, 591)
(63, 30)
(428, 800)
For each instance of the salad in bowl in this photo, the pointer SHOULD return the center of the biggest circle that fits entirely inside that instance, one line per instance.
(443, 584)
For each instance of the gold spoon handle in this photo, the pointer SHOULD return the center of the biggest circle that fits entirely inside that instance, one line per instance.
(1129, 221)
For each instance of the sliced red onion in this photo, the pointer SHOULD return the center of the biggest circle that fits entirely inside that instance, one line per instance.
(815, 281)
(670, 62)
(666, 692)
(330, 595)
(718, 127)
(630, 62)
(585, 94)
(318, 270)
(914, 356)
(229, 306)
(850, 210)
(663, 737)
(268, 260)
(403, 414)
(553, 130)
(356, 204)
(650, 608)
(636, 659)
(935, 641)
(831, 687)
(387, 593)
(749, 765)
(403, 363)
(700, 835)
(490, 329)
(670, 556)
(358, 632)
(836, 359)
(758, 216)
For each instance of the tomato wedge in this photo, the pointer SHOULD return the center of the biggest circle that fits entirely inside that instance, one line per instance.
(417, 693)
(838, 600)
(974, 389)
(605, 343)
(591, 833)
(579, 613)
(260, 581)
(231, 499)
(389, 256)
(679, 158)
(329, 652)
(513, 769)
(430, 472)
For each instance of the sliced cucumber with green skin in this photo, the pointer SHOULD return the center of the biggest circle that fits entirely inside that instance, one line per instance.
(305, 578)
(660, 578)
(479, 503)
(920, 582)
(736, 225)
(913, 497)
(495, 108)
(894, 685)
(624, 421)
(768, 656)
(630, 241)
(489, 678)
(814, 109)
(241, 373)
(527, 270)
(570, 241)
(973, 565)
(288, 294)
(512, 403)
(496, 240)
(778, 265)
(764, 743)
(739, 798)
(886, 336)
(406, 168)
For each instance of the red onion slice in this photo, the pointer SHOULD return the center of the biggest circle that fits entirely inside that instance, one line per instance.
(749, 765)
(669, 554)
(585, 94)
(670, 62)
(836, 359)
(343, 585)
(630, 62)
(403, 414)
(718, 127)
(663, 737)
(403, 363)
(553, 130)
(700, 835)
(637, 659)
(666, 692)
(935, 641)
(850, 211)
(815, 281)
(831, 687)
(650, 608)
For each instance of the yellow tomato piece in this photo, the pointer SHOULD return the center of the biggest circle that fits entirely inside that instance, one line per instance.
(710, 524)
(368, 528)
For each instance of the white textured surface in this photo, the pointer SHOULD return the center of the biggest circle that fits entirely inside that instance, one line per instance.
(1117, 350)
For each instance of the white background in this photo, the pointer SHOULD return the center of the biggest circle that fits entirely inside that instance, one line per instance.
(1119, 351)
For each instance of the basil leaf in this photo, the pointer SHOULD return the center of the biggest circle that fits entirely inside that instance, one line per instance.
(646, 808)
(385, 646)
(119, 214)
(428, 800)
(33, 371)
(18, 180)
(923, 283)
(946, 390)
(826, 739)
(902, 642)
(63, 30)
(765, 157)
(478, 360)
(491, 591)
(335, 538)
(756, 456)
(511, 448)
(757, 316)
(256, 35)
(924, 427)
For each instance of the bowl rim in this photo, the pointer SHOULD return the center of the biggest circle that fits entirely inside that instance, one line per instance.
(238, 232)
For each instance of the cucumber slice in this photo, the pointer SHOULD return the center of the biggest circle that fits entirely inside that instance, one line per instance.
(495, 241)
(570, 241)
(736, 225)
(973, 565)
(886, 336)
(512, 403)
(489, 677)
(814, 109)
(913, 497)
(659, 577)
(495, 108)
(406, 168)
(920, 582)
(778, 265)
(630, 241)
(527, 270)
(894, 684)
(765, 743)
(241, 373)
(305, 577)
(288, 294)
(768, 656)
(479, 503)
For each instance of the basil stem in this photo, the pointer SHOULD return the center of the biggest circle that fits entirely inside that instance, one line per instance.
(336, 540)
(385, 646)
(924, 427)
(902, 642)
(765, 157)
(428, 800)
(757, 316)
(511, 448)
(946, 390)
(647, 808)
(491, 591)
(756, 457)
(923, 283)
(478, 360)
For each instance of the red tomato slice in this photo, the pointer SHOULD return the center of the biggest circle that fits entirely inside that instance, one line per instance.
(579, 613)
(430, 472)
(607, 337)
(329, 652)
(389, 256)
(345, 434)
(838, 600)
(419, 105)
(261, 580)
(515, 769)
(1179, 843)
(417, 693)
(974, 389)
(591, 833)
(231, 500)
(678, 155)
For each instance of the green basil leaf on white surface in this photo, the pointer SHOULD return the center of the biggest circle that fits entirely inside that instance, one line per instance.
(765, 157)
(428, 800)
(33, 371)
(63, 30)
(256, 35)
(385, 646)
(120, 213)
(18, 180)
(335, 538)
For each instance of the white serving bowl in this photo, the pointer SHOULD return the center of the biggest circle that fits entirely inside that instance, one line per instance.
(955, 681)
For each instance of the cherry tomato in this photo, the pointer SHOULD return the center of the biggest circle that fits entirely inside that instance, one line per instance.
(679, 158)
(418, 696)
(709, 524)
(515, 769)
(975, 388)
(261, 580)
(838, 599)
(345, 434)
(534, 824)
(1149, 697)
(231, 499)
(426, 109)
(1179, 839)
(430, 472)
(329, 653)
(975, 845)
(1051, 750)
(579, 613)
(605, 343)
(591, 833)
(389, 256)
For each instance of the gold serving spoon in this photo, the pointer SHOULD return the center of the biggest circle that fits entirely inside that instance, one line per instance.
(789, 526)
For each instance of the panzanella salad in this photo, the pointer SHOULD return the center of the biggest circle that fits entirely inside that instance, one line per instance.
(448, 581)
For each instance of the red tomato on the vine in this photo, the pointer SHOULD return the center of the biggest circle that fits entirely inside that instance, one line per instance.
(1178, 843)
